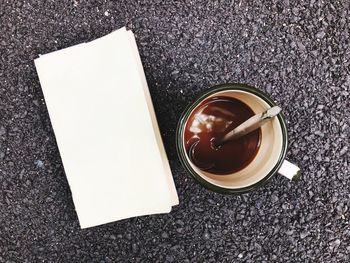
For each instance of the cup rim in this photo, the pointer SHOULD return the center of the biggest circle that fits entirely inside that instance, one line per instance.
(182, 152)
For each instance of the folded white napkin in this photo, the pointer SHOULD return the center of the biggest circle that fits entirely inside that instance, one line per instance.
(106, 130)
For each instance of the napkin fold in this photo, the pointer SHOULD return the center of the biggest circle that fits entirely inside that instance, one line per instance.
(106, 130)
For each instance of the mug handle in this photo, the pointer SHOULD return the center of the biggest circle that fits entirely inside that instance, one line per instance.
(289, 170)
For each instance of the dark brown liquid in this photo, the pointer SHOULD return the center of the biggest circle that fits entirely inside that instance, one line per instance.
(211, 120)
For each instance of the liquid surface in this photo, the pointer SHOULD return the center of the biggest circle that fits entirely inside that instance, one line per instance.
(211, 120)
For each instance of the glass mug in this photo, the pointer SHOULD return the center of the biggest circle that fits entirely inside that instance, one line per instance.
(270, 158)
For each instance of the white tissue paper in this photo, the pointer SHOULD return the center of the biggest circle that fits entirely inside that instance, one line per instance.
(106, 130)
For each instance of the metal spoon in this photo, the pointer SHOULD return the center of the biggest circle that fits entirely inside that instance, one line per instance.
(250, 125)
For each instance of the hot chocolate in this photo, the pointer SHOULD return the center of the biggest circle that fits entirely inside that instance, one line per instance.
(210, 121)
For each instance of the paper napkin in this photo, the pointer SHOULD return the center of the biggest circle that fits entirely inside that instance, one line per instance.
(106, 130)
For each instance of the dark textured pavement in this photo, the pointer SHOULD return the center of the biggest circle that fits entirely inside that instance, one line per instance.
(299, 53)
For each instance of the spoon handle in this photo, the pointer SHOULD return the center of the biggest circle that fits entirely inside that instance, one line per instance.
(251, 124)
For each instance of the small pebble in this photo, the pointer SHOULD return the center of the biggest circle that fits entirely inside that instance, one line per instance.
(2, 131)
(39, 163)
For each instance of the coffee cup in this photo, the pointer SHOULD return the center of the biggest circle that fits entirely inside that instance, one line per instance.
(267, 162)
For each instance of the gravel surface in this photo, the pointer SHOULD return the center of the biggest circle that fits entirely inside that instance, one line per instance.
(297, 52)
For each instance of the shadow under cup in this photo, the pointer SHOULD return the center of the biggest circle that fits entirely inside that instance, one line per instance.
(269, 157)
